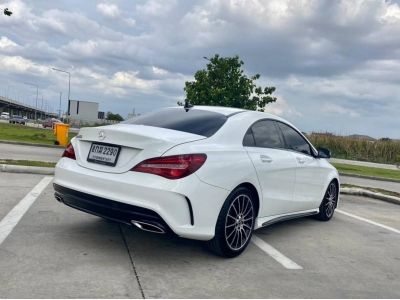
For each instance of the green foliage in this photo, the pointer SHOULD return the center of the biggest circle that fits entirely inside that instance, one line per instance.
(114, 117)
(21, 133)
(31, 163)
(380, 151)
(367, 171)
(223, 83)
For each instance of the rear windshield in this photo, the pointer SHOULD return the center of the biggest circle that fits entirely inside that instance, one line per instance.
(194, 121)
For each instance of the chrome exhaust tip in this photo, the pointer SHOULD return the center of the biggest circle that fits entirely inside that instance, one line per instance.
(58, 198)
(148, 227)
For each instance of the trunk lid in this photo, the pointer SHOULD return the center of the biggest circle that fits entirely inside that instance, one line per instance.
(138, 142)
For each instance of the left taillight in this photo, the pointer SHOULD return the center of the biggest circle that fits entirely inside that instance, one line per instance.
(172, 167)
(69, 152)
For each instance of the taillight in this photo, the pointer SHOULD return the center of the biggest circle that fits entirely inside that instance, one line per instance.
(69, 152)
(172, 167)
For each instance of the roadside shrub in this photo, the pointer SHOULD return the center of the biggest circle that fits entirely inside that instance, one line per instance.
(379, 151)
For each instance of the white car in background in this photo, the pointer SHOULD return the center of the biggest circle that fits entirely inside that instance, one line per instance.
(204, 173)
(5, 116)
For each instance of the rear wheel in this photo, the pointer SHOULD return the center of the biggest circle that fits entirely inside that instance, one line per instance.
(329, 203)
(235, 224)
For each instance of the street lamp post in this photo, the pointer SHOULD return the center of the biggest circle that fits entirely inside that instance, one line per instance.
(69, 80)
(59, 108)
(37, 95)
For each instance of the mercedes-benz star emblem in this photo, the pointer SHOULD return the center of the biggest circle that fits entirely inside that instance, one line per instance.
(102, 135)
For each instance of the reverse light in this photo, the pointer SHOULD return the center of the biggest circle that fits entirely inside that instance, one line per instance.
(172, 167)
(69, 152)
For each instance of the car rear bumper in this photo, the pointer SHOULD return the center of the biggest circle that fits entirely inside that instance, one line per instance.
(187, 207)
(109, 209)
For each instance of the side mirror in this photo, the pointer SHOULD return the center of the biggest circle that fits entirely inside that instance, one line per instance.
(323, 153)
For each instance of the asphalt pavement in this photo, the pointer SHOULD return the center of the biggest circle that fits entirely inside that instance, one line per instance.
(24, 152)
(54, 251)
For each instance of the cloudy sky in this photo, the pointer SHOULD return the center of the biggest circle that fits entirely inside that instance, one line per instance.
(336, 64)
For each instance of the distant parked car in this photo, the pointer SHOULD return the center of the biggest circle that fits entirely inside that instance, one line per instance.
(49, 123)
(5, 116)
(17, 120)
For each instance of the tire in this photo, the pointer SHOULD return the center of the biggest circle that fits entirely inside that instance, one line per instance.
(235, 224)
(329, 203)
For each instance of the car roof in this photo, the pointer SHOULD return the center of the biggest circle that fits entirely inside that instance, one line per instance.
(230, 111)
(220, 109)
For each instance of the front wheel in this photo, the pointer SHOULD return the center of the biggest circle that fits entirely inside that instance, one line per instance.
(235, 224)
(329, 203)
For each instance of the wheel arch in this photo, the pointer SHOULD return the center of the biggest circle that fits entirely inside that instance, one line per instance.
(254, 192)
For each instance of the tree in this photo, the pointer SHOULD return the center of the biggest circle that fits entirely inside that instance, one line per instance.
(223, 83)
(114, 117)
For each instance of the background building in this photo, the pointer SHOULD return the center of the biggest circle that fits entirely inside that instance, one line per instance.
(83, 111)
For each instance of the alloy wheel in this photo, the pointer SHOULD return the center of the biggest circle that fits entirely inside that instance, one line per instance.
(330, 199)
(239, 222)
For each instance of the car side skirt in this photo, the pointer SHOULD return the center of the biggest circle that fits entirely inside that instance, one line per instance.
(265, 221)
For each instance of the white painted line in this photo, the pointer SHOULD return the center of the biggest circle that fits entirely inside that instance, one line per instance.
(368, 221)
(275, 254)
(15, 215)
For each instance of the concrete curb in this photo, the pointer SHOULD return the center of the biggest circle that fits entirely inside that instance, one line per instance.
(26, 169)
(367, 193)
(30, 144)
(369, 177)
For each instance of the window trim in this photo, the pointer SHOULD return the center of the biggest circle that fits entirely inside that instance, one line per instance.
(254, 139)
(313, 150)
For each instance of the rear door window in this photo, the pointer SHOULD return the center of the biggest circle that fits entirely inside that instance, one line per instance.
(195, 121)
(265, 135)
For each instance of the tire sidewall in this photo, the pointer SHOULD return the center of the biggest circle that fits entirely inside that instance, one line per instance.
(322, 212)
(220, 227)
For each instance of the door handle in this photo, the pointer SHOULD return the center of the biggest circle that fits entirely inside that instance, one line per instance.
(265, 158)
(301, 160)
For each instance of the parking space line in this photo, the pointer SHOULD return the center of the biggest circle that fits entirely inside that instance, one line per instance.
(15, 215)
(368, 221)
(275, 254)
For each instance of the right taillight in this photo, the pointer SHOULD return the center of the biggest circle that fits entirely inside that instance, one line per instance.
(172, 167)
(69, 152)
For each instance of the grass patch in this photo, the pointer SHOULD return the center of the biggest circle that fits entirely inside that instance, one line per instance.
(367, 171)
(30, 163)
(21, 133)
(375, 190)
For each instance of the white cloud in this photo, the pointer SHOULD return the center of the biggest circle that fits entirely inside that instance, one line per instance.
(332, 108)
(159, 71)
(155, 7)
(18, 64)
(7, 45)
(108, 10)
(130, 22)
(282, 108)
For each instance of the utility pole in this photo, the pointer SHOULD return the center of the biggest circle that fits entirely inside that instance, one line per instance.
(41, 111)
(37, 95)
(59, 108)
(69, 81)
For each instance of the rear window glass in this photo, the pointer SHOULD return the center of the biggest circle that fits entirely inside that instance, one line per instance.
(194, 121)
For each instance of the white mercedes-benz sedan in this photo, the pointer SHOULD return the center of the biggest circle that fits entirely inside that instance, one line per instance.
(204, 173)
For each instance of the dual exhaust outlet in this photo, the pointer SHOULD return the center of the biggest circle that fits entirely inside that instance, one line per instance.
(151, 227)
(145, 226)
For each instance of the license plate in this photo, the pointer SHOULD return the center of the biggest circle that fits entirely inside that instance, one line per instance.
(103, 154)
